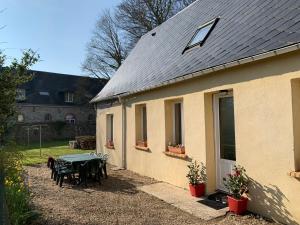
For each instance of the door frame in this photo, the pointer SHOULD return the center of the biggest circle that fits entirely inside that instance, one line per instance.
(216, 112)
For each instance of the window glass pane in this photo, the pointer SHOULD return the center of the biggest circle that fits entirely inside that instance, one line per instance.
(70, 118)
(144, 123)
(111, 127)
(178, 124)
(201, 34)
(69, 97)
(20, 118)
(227, 132)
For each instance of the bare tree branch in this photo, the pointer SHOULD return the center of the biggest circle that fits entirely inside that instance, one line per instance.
(137, 17)
(105, 51)
(111, 41)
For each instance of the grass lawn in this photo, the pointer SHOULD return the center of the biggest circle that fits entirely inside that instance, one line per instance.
(57, 148)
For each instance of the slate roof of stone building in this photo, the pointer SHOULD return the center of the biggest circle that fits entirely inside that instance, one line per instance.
(246, 28)
(56, 85)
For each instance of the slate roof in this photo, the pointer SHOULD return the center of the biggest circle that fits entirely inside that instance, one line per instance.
(56, 85)
(245, 28)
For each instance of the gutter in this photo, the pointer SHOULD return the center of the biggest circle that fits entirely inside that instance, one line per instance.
(124, 133)
(265, 55)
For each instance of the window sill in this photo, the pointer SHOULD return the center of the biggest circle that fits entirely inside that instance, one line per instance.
(294, 174)
(176, 155)
(110, 146)
(145, 149)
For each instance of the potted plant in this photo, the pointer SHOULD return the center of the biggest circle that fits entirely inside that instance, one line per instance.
(237, 183)
(197, 178)
(178, 149)
(142, 143)
(110, 144)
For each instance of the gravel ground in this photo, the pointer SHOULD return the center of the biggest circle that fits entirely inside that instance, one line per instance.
(116, 201)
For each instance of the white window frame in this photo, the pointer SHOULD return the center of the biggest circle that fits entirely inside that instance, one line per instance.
(23, 118)
(182, 121)
(70, 121)
(45, 93)
(20, 94)
(142, 123)
(69, 97)
(48, 117)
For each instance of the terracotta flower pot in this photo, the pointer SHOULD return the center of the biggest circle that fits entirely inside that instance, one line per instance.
(176, 149)
(110, 144)
(142, 143)
(197, 190)
(237, 206)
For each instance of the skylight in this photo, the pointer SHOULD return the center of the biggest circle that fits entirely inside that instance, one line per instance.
(201, 34)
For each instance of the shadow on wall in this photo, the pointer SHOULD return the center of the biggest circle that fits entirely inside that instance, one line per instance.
(271, 201)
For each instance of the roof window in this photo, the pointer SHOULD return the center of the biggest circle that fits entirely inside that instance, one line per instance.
(201, 34)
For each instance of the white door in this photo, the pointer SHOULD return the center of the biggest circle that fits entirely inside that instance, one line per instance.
(224, 136)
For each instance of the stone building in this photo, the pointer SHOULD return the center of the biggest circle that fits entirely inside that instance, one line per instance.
(57, 102)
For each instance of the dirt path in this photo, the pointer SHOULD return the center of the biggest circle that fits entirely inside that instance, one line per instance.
(116, 201)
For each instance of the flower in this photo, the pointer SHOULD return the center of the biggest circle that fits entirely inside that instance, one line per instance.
(237, 182)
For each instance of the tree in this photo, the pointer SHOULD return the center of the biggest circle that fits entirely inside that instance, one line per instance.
(105, 51)
(137, 17)
(115, 36)
(10, 78)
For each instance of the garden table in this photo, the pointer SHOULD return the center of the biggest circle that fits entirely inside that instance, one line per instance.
(77, 158)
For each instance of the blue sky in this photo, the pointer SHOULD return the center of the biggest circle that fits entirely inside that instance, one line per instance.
(58, 29)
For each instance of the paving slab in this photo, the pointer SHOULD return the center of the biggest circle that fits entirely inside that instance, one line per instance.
(182, 199)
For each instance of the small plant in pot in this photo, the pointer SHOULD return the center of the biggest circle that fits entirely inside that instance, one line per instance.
(176, 148)
(197, 178)
(237, 185)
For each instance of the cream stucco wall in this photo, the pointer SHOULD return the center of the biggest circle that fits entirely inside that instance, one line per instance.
(115, 155)
(266, 109)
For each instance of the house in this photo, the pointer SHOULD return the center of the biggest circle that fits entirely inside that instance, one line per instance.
(222, 79)
(58, 102)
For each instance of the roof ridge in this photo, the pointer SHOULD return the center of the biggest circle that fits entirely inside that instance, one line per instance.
(62, 74)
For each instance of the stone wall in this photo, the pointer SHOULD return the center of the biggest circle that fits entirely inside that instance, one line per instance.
(55, 129)
(30, 133)
(37, 113)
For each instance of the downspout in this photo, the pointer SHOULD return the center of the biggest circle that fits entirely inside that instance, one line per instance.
(123, 166)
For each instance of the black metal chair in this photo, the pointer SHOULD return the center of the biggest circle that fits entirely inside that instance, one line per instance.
(63, 169)
(104, 158)
(83, 173)
(51, 166)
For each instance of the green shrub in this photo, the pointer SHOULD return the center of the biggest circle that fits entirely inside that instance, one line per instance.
(237, 182)
(16, 187)
(197, 173)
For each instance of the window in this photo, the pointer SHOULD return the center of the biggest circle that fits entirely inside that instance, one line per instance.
(141, 125)
(48, 117)
(110, 130)
(70, 118)
(69, 97)
(46, 93)
(91, 118)
(177, 124)
(21, 94)
(201, 34)
(20, 118)
(144, 123)
(174, 123)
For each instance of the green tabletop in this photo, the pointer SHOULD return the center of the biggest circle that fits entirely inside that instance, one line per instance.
(79, 157)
